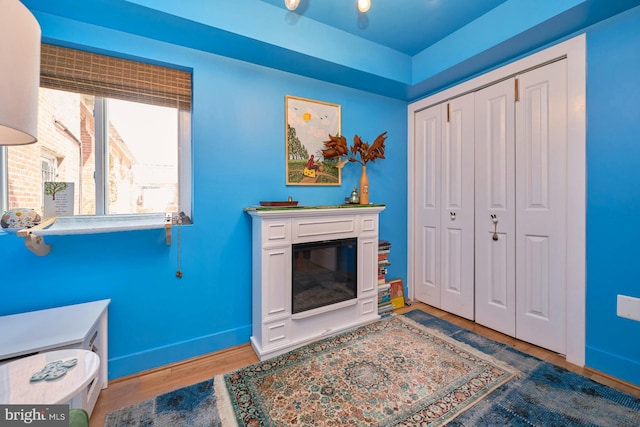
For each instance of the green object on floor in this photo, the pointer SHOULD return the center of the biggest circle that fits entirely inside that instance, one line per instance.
(78, 418)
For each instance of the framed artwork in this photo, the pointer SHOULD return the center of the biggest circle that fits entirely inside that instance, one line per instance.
(308, 125)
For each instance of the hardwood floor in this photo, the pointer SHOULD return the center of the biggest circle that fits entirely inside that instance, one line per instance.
(139, 387)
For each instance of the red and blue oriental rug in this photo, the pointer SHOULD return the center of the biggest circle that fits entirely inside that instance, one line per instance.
(407, 370)
(391, 372)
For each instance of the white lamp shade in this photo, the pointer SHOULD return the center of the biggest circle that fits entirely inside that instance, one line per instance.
(19, 74)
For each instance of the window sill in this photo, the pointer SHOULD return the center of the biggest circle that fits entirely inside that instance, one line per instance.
(91, 224)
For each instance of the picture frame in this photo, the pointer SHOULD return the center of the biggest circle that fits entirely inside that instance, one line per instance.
(308, 124)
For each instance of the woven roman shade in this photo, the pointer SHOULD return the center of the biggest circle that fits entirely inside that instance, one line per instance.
(99, 75)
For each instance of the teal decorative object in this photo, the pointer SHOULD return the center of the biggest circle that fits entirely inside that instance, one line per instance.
(54, 370)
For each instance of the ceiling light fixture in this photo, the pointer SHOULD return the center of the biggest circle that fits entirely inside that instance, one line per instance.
(291, 4)
(364, 5)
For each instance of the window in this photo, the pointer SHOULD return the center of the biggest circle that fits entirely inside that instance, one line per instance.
(118, 130)
(49, 172)
(48, 169)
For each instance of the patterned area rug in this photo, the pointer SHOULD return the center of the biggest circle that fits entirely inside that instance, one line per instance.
(391, 372)
(190, 406)
(544, 395)
(452, 380)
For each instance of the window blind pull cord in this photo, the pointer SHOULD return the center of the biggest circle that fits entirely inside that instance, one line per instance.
(179, 272)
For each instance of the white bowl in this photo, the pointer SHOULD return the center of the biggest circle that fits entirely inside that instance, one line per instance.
(19, 218)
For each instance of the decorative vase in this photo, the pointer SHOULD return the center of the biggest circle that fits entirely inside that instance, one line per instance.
(354, 198)
(364, 187)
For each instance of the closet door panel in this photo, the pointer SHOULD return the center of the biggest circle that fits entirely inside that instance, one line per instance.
(537, 277)
(452, 255)
(495, 201)
(541, 159)
(428, 124)
(499, 293)
(429, 267)
(457, 211)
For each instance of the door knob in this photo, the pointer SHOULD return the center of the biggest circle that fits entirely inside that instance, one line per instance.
(453, 216)
(494, 219)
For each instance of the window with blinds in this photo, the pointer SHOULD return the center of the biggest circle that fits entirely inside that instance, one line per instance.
(118, 129)
(90, 73)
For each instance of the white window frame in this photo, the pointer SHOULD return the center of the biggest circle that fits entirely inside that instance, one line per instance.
(53, 162)
(4, 180)
(87, 224)
(54, 166)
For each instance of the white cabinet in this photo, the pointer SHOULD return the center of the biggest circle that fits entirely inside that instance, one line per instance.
(79, 326)
(276, 329)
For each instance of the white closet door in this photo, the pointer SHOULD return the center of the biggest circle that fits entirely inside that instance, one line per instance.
(456, 216)
(541, 198)
(428, 133)
(495, 198)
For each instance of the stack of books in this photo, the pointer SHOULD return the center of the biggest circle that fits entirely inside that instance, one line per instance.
(384, 288)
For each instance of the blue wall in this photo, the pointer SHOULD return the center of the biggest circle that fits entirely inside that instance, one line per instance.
(238, 160)
(613, 193)
(238, 151)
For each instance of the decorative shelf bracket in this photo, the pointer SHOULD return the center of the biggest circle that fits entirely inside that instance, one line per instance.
(37, 245)
(34, 242)
(168, 222)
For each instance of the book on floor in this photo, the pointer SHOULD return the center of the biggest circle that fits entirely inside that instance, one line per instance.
(397, 293)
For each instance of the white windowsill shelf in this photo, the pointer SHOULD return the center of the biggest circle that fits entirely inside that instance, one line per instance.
(91, 224)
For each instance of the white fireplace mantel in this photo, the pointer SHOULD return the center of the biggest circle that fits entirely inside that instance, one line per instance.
(275, 230)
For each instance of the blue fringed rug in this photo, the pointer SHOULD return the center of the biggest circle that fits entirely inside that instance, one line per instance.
(541, 394)
(545, 395)
(190, 406)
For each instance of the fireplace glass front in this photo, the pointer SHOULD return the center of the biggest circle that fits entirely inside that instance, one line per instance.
(323, 273)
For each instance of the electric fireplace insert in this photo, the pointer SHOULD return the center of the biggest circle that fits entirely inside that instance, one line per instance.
(323, 273)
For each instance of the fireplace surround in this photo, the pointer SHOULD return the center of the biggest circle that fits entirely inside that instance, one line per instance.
(275, 232)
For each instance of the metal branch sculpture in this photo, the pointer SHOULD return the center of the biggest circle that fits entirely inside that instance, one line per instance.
(361, 152)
